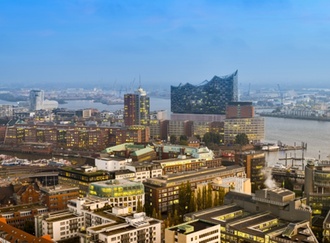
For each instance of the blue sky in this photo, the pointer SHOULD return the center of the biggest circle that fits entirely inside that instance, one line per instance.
(161, 43)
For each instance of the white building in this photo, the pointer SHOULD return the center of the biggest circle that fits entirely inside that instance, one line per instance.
(197, 231)
(37, 101)
(236, 184)
(135, 228)
(111, 163)
(119, 193)
(61, 225)
(115, 224)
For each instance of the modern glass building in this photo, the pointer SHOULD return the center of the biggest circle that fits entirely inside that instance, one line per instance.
(211, 97)
(120, 193)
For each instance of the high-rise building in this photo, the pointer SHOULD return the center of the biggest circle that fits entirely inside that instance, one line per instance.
(211, 97)
(240, 119)
(36, 100)
(136, 108)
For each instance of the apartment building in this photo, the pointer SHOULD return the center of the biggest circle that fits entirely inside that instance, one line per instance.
(17, 216)
(196, 231)
(56, 197)
(60, 225)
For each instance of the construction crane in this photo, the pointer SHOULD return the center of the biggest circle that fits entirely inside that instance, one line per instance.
(280, 93)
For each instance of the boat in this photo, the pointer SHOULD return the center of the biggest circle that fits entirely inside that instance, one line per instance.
(270, 148)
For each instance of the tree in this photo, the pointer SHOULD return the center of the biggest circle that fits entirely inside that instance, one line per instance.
(211, 138)
(204, 197)
(209, 202)
(192, 203)
(199, 202)
(242, 139)
(173, 139)
(176, 218)
(139, 207)
(184, 199)
(154, 214)
(221, 195)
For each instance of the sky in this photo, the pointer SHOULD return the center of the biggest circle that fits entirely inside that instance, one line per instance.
(118, 44)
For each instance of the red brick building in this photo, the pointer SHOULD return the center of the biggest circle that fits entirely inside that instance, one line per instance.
(56, 198)
(239, 110)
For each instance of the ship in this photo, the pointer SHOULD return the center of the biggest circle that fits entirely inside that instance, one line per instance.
(270, 147)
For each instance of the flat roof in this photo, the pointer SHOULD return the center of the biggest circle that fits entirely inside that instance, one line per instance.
(196, 224)
(54, 218)
(25, 207)
(189, 175)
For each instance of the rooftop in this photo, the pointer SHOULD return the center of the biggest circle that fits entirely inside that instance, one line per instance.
(192, 226)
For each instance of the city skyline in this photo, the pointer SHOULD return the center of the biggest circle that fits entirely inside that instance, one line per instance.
(99, 43)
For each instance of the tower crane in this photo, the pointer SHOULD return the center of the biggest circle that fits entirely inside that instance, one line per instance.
(280, 93)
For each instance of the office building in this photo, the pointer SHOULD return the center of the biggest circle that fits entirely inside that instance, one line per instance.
(136, 108)
(239, 110)
(196, 231)
(56, 197)
(317, 186)
(162, 192)
(254, 163)
(211, 97)
(269, 215)
(240, 119)
(254, 128)
(37, 101)
(81, 177)
(119, 193)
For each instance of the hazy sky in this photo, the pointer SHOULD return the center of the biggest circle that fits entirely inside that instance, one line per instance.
(164, 42)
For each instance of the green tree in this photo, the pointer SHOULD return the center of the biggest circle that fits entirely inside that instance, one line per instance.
(241, 139)
(192, 203)
(222, 194)
(169, 220)
(139, 207)
(209, 202)
(154, 214)
(176, 218)
(147, 209)
(211, 138)
(184, 199)
(204, 197)
(216, 199)
(172, 139)
(199, 201)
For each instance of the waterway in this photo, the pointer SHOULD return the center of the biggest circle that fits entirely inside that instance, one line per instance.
(155, 105)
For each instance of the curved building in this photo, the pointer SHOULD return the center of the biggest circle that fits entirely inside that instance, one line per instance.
(211, 97)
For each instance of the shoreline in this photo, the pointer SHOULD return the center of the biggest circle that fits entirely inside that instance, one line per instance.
(326, 119)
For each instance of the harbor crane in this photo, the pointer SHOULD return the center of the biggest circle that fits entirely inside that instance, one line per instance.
(280, 93)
